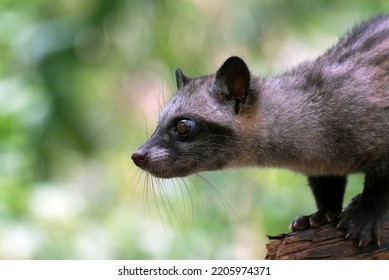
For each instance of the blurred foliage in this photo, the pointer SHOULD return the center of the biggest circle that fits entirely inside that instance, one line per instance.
(81, 84)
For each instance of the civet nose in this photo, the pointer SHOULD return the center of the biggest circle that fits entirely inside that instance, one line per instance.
(140, 157)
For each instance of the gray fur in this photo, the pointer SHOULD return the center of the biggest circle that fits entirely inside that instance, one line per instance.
(325, 118)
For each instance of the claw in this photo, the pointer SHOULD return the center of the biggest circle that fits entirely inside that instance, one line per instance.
(363, 243)
(379, 243)
(332, 216)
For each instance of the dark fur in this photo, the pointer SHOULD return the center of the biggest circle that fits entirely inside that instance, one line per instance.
(326, 118)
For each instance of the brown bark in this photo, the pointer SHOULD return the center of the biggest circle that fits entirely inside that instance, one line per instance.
(325, 242)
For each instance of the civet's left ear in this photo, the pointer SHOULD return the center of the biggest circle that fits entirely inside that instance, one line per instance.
(233, 81)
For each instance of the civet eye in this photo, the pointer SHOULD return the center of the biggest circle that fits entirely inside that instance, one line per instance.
(185, 127)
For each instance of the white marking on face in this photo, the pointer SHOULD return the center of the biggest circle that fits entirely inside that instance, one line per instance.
(158, 154)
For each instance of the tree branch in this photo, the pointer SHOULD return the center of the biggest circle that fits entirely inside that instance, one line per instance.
(325, 242)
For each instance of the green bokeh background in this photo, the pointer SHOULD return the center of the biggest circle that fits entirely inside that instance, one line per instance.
(81, 86)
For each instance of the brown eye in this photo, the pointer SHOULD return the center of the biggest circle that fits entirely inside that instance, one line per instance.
(185, 127)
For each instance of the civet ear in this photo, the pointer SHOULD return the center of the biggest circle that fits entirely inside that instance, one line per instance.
(181, 79)
(233, 81)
